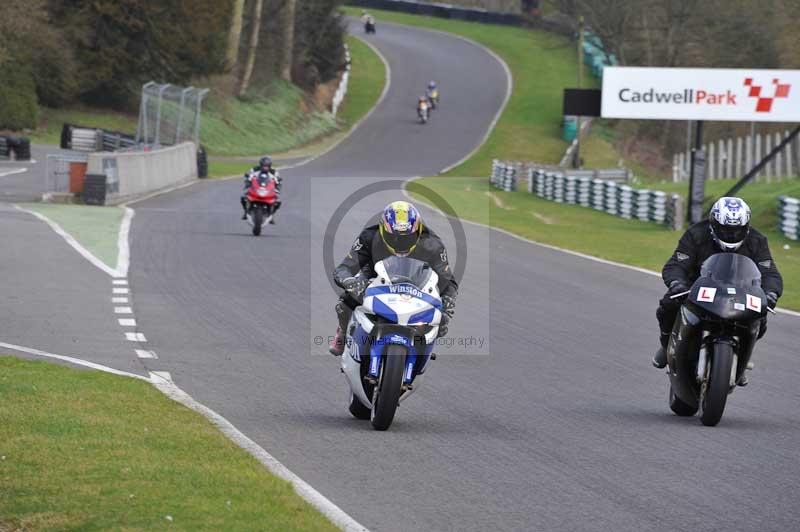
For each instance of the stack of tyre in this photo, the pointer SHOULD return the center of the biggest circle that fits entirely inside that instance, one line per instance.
(202, 162)
(20, 147)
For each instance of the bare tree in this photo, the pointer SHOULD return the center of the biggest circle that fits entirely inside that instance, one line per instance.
(234, 35)
(252, 47)
(288, 40)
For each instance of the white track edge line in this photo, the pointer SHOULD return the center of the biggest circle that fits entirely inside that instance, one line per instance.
(556, 248)
(321, 503)
(85, 253)
(312, 496)
(72, 360)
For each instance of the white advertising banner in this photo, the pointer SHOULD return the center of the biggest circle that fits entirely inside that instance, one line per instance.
(746, 95)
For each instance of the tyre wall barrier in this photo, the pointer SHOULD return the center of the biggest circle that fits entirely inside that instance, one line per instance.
(341, 90)
(90, 139)
(441, 10)
(19, 147)
(134, 174)
(789, 217)
(602, 190)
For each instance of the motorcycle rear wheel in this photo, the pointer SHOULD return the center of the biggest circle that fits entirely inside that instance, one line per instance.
(258, 220)
(712, 402)
(387, 392)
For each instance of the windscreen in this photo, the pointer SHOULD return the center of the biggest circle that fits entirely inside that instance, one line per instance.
(406, 270)
(731, 268)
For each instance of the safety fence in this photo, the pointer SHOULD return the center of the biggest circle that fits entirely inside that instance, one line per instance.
(19, 147)
(89, 139)
(441, 10)
(732, 157)
(603, 190)
(789, 217)
(64, 173)
(341, 91)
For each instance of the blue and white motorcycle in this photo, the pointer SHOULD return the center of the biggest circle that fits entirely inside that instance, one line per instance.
(390, 338)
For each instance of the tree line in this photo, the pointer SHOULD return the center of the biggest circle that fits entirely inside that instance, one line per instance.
(691, 33)
(100, 52)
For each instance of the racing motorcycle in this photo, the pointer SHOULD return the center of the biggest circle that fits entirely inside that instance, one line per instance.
(423, 111)
(369, 25)
(390, 338)
(262, 201)
(714, 335)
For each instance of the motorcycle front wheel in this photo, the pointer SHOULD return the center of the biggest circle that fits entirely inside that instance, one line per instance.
(258, 220)
(387, 392)
(712, 402)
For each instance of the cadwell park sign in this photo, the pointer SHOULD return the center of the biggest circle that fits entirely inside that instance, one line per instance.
(746, 95)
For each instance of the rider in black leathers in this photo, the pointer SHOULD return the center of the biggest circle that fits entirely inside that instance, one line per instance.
(699, 242)
(264, 167)
(371, 247)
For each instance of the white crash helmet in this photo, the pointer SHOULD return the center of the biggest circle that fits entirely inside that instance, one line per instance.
(729, 221)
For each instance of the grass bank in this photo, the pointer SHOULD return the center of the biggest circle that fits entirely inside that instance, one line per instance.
(542, 64)
(643, 244)
(276, 119)
(367, 79)
(84, 450)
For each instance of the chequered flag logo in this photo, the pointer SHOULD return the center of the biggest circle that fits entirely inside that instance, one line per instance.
(764, 103)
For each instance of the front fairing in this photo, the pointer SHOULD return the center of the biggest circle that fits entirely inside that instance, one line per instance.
(729, 288)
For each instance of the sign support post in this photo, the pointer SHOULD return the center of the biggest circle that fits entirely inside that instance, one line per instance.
(697, 177)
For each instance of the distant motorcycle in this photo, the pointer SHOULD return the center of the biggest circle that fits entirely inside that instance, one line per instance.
(262, 201)
(390, 338)
(423, 111)
(714, 335)
(369, 25)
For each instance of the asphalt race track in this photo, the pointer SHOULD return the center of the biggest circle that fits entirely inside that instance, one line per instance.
(558, 423)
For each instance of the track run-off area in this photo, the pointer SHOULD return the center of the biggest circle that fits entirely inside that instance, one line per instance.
(544, 413)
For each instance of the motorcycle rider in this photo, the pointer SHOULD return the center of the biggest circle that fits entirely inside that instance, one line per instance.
(429, 93)
(399, 232)
(422, 102)
(728, 230)
(264, 167)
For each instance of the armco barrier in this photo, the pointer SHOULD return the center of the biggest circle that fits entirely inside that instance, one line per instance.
(133, 174)
(789, 217)
(441, 10)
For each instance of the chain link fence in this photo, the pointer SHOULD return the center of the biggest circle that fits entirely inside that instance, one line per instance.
(169, 115)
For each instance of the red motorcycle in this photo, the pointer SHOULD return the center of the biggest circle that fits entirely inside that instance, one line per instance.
(262, 201)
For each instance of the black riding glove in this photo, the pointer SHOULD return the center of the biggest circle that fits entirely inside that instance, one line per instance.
(355, 286)
(448, 305)
(677, 287)
(772, 300)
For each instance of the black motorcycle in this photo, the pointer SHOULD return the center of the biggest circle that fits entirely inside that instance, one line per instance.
(369, 26)
(714, 335)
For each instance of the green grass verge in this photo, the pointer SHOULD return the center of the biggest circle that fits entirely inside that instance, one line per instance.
(543, 64)
(228, 168)
(643, 244)
(96, 228)
(85, 450)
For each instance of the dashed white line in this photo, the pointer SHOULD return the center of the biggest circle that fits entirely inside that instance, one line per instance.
(123, 310)
(135, 337)
(119, 299)
(121, 290)
(143, 353)
(127, 322)
(120, 281)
